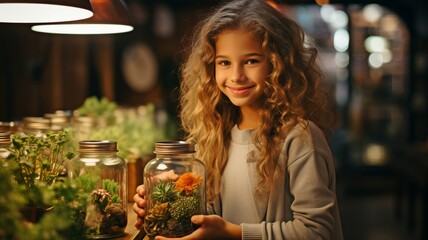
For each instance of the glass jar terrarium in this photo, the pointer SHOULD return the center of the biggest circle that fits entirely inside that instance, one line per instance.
(175, 190)
(104, 175)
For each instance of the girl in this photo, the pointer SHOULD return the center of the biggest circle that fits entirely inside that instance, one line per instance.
(251, 102)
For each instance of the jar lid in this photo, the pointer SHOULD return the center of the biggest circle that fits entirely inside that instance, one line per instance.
(56, 118)
(174, 147)
(37, 123)
(97, 146)
(4, 137)
(5, 126)
(11, 127)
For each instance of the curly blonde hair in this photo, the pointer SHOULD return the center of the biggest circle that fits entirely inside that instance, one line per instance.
(292, 93)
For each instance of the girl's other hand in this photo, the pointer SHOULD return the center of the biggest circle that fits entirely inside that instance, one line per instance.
(211, 227)
(165, 176)
(139, 206)
(139, 201)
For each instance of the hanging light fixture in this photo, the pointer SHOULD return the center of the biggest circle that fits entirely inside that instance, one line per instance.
(110, 16)
(44, 11)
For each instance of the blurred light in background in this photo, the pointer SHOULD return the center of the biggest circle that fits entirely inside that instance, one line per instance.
(341, 40)
(376, 44)
(375, 60)
(375, 154)
(372, 12)
(341, 59)
(339, 19)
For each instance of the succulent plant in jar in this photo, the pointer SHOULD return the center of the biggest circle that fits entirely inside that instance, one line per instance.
(175, 183)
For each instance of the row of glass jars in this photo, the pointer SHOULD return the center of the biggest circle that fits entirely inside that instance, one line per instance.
(174, 181)
(55, 122)
(96, 165)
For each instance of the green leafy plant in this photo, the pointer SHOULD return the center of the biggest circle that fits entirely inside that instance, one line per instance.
(66, 198)
(113, 188)
(38, 162)
(136, 135)
(94, 107)
(10, 204)
(87, 182)
(32, 175)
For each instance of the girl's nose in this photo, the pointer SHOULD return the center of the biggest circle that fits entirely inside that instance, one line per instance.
(237, 74)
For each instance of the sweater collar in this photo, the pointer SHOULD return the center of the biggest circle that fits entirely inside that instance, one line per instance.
(242, 136)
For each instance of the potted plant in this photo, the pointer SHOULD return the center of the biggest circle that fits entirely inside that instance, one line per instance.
(37, 192)
(37, 162)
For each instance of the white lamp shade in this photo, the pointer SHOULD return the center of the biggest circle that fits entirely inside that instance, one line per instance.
(47, 11)
(110, 17)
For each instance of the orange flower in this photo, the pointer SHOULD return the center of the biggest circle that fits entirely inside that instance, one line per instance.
(187, 183)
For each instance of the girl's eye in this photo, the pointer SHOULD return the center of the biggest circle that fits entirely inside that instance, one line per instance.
(223, 63)
(252, 61)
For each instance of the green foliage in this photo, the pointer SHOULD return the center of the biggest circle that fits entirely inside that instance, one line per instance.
(31, 177)
(87, 182)
(37, 162)
(94, 107)
(164, 192)
(10, 203)
(136, 136)
(113, 188)
(67, 202)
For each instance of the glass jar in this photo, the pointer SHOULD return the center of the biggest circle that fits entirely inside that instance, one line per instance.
(175, 190)
(11, 127)
(37, 126)
(4, 144)
(58, 120)
(103, 176)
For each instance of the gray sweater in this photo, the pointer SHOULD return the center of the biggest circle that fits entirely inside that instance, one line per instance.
(303, 203)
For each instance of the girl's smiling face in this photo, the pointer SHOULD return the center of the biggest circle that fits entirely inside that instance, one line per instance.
(241, 67)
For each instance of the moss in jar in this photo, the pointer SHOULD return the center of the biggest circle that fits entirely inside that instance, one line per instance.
(174, 203)
(105, 214)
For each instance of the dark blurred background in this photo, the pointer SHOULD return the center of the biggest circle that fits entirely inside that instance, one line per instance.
(374, 55)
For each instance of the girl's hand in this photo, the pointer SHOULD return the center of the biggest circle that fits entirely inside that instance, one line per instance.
(139, 206)
(139, 201)
(211, 227)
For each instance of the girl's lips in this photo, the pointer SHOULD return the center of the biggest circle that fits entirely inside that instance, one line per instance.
(240, 91)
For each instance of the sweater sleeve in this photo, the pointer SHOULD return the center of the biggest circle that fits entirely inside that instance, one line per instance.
(313, 201)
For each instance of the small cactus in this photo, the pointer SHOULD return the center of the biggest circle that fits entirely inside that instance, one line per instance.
(155, 220)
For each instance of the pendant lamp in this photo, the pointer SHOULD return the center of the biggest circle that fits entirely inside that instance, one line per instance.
(110, 17)
(44, 11)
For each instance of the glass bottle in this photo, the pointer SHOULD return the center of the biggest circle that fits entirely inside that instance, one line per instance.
(103, 175)
(175, 190)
